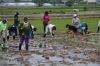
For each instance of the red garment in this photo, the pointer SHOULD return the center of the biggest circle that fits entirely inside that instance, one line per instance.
(45, 19)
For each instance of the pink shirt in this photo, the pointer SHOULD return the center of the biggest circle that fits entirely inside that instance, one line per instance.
(45, 19)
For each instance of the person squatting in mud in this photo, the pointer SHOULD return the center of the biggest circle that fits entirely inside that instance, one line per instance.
(24, 33)
(83, 28)
(12, 30)
(50, 28)
(72, 31)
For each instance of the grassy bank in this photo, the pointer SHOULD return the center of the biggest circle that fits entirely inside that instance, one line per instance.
(36, 10)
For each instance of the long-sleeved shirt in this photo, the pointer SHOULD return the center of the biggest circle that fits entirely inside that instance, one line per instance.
(26, 29)
(3, 26)
(99, 24)
(45, 19)
(75, 21)
(49, 28)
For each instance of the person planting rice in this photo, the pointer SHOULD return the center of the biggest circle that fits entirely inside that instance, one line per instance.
(12, 30)
(3, 29)
(72, 30)
(75, 20)
(50, 28)
(83, 26)
(24, 32)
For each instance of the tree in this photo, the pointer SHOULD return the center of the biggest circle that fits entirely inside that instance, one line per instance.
(17, 0)
(1, 1)
(69, 3)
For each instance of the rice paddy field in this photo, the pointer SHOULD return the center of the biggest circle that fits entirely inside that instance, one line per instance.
(61, 23)
(57, 51)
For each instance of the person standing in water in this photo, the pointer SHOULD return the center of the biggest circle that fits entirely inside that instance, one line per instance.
(24, 31)
(45, 20)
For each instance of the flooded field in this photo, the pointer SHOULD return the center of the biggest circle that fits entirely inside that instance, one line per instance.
(58, 51)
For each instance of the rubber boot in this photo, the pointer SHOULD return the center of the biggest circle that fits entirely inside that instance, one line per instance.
(27, 47)
(7, 38)
(53, 35)
(4, 40)
(20, 46)
(13, 37)
(44, 35)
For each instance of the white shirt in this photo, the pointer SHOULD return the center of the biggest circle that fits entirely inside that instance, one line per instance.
(49, 27)
(32, 26)
(75, 21)
(99, 23)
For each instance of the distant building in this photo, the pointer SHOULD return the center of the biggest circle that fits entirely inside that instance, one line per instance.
(98, 1)
(92, 1)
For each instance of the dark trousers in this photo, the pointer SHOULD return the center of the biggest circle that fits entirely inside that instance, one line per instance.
(98, 29)
(44, 26)
(22, 39)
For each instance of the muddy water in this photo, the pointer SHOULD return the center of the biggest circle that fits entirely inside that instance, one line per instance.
(51, 52)
(91, 64)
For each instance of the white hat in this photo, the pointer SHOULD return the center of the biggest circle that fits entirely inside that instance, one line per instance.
(74, 15)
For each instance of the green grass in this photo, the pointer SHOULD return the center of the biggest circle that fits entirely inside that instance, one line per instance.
(61, 23)
(35, 10)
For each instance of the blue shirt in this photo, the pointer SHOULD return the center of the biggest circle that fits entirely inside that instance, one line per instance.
(83, 24)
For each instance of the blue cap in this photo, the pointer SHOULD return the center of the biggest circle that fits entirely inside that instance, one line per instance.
(4, 20)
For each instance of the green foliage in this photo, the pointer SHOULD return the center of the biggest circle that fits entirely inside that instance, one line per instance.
(69, 3)
(85, 8)
(36, 10)
(17, 0)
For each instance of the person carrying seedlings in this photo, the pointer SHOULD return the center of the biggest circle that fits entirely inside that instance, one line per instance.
(75, 20)
(98, 29)
(24, 32)
(50, 28)
(3, 31)
(45, 19)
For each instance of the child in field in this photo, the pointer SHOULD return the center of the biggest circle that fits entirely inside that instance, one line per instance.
(45, 19)
(50, 28)
(24, 32)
